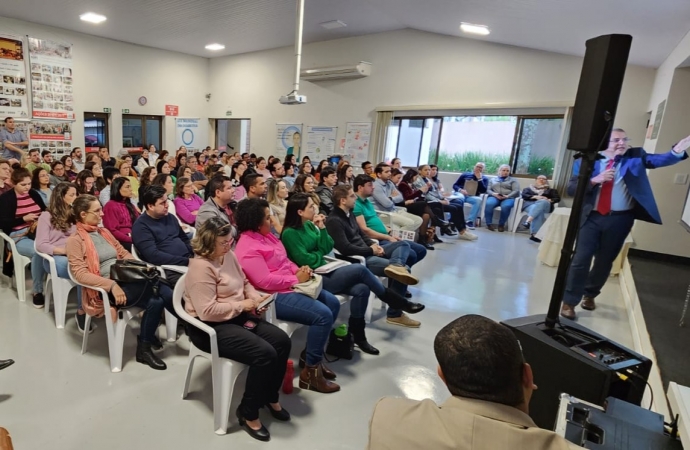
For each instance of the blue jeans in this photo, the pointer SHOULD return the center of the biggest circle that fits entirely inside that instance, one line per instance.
(376, 265)
(318, 314)
(537, 211)
(61, 267)
(25, 247)
(492, 203)
(356, 281)
(601, 238)
(476, 203)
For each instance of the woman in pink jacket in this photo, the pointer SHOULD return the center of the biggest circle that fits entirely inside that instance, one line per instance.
(119, 213)
(187, 203)
(265, 262)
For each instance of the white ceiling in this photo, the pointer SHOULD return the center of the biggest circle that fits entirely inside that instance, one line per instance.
(250, 25)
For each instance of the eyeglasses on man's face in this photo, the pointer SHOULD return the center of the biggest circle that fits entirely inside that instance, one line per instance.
(624, 140)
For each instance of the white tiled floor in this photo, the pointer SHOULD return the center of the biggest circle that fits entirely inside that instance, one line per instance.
(55, 398)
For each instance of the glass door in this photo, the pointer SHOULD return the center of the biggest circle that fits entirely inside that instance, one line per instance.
(141, 131)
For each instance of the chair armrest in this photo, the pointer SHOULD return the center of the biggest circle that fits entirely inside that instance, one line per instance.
(178, 269)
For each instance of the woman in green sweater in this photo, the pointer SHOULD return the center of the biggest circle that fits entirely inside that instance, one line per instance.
(307, 242)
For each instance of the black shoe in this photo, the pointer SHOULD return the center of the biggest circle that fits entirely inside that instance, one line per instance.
(356, 327)
(81, 323)
(261, 434)
(414, 308)
(428, 246)
(5, 363)
(525, 225)
(437, 239)
(283, 415)
(408, 294)
(447, 231)
(156, 343)
(39, 301)
(146, 356)
(534, 238)
(397, 301)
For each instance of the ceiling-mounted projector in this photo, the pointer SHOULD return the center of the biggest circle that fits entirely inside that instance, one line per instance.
(293, 98)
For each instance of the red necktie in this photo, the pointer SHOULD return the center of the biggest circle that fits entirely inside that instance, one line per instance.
(604, 206)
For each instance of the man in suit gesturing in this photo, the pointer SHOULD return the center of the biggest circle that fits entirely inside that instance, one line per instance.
(618, 193)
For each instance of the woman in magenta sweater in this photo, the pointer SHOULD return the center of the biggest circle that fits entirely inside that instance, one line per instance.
(265, 262)
(119, 213)
(187, 203)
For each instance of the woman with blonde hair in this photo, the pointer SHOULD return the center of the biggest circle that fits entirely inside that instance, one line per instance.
(277, 201)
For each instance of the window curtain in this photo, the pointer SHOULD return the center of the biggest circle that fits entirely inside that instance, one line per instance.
(565, 165)
(383, 121)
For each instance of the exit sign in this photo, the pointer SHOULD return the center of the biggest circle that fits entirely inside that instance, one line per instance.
(125, 111)
(106, 110)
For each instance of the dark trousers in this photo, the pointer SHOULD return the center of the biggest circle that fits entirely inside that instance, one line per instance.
(457, 215)
(153, 308)
(166, 290)
(601, 238)
(265, 349)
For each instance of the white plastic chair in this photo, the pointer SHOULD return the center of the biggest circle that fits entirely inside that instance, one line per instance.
(224, 371)
(115, 331)
(510, 223)
(520, 214)
(170, 319)
(57, 288)
(20, 263)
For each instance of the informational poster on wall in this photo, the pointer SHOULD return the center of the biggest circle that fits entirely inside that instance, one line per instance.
(357, 137)
(52, 135)
(288, 139)
(51, 79)
(319, 143)
(14, 100)
(190, 133)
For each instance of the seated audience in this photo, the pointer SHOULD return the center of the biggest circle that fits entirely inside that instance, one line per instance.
(166, 182)
(413, 187)
(146, 179)
(77, 155)
(144, 161)
(187, 203)
(305, 184)
(317, 172)
(126, 170)
(475, 200)
(389, 260)
(109, 174)
(537, 201)
(396, 163)
(345, 174)
(5, 174)
(58, 174)
(236, 173)
(255, 185)
(502, 191)
(106, 159)
(54, 227)
(35, 160)
(276, 169)
(305, 168)
(218, 293)
(261, 167)
(119, 213)
(436, 198)
(264, 260)
(70, 169)
(85, 182)
(368, 169)
(198, 177)
(324, 190)
(159, 239)
(91, 251)
(277, 201)
(307, 242)
(40, 183)
(20, 209)
(289, 177)
(163, 166)
(127, 158)
(153, 156)
(184, 172)
(220, 192)
(386, 196)
(481, 363)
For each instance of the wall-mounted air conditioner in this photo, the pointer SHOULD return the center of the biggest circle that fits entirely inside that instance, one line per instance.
(360, 70)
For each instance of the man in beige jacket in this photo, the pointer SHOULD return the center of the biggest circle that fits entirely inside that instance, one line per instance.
(481, 363)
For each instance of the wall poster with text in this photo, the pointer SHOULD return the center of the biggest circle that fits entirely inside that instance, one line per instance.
(288, 139)
(52, 135)
(319, 143)
(357, 137)
(51, 79)
(14, 100)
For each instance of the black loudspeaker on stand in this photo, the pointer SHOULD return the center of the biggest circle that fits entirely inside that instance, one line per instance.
(567, 357)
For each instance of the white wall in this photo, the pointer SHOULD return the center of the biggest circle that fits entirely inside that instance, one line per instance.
(112, 74)
(409, 68)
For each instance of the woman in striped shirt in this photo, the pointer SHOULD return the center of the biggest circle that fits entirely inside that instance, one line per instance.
(21, 208)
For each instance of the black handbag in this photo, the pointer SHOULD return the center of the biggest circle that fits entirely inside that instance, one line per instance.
(138, 276)
(340, 346)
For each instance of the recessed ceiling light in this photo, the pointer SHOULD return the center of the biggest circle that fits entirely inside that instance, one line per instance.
(92, 17)
(333, 24)
(474, 29)
(215, 47)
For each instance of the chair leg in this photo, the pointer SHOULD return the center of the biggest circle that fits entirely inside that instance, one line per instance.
(222, 393)
(20, 276)
(170, 326)
(188, 378)
(85, 339)
(116, 342)
(60, 306)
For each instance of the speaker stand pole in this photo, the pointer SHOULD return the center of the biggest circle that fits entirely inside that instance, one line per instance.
(588, 157)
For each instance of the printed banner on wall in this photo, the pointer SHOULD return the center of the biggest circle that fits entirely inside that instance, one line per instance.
(320, 143)
(51, 135)
(51, 79)
(14, 101)
(357, 137)
(288, 139)
(188, 133)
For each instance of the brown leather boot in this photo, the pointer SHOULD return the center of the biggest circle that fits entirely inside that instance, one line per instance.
(312, 378)
(568, 312)
(588, 303)
(327, 373)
